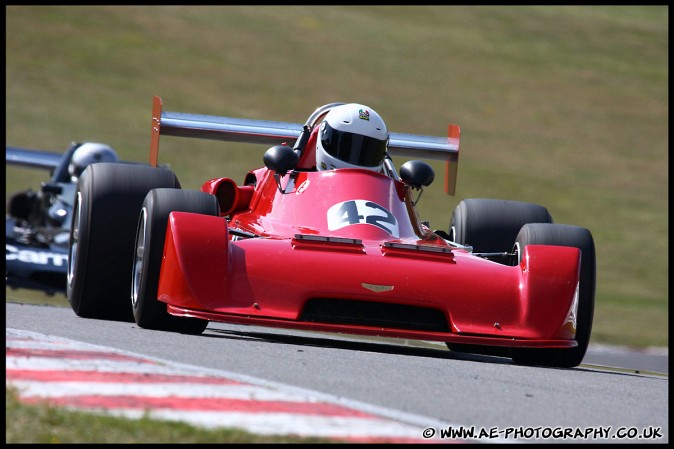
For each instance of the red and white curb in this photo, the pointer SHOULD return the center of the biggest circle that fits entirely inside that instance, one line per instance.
(82, 376)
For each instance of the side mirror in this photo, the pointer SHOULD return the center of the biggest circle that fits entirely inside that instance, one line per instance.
(280, 158)
(417, 174)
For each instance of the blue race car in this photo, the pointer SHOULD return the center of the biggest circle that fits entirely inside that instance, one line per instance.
(38, 221)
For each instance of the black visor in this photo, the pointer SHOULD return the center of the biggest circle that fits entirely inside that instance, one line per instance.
(352, 148)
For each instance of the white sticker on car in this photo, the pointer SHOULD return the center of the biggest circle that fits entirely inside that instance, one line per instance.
(302, 187)
(353, 212)
(36, 257)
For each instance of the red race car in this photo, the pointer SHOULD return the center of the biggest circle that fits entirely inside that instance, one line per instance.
(326, 237)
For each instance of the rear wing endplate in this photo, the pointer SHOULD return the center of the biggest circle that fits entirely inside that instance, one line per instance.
(276, 133)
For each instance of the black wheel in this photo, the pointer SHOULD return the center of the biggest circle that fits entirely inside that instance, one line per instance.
(492, 225)
(581, 238)
(148, 311)
(105, 213)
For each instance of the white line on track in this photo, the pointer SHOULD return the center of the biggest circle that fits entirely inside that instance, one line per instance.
(79, 375)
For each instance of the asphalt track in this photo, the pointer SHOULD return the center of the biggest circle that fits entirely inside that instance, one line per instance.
(364, 389)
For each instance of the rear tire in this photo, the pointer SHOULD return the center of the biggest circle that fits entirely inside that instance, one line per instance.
(492, 225)
(148, 311)
(102, 234)
(577, 237)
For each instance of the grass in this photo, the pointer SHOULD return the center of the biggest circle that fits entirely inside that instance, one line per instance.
(46, 424)
(564, 106)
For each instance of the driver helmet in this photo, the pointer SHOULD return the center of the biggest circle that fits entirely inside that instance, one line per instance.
(89, 153)
(351, 136)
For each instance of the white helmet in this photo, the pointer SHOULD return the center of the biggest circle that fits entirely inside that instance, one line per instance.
(89, 153)
(351, 136)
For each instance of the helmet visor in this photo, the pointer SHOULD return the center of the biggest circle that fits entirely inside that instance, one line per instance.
(352, 148)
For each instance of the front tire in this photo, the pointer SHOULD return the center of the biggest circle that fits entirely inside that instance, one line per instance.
(577, 237)
(148, 311)
(490, 225)
(102, 234)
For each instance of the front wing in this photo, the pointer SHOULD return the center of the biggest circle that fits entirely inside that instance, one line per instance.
(369, 288)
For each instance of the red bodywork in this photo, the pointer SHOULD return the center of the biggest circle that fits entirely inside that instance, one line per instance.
(269, 280)
(344, 251)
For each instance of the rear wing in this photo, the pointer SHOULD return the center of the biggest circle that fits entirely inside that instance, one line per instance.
(276, 133)
(25, 157)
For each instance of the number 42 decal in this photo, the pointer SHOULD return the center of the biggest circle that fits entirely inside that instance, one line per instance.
(362, 212)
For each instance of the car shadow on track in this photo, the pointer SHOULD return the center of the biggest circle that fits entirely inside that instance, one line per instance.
(388, 346)
(353, 345)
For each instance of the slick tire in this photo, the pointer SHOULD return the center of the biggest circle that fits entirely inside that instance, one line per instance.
(148, 311)
(491, 225)
(573, 236)
(105, 213)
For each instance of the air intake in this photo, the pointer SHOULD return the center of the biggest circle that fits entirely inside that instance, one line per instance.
(374, 314)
